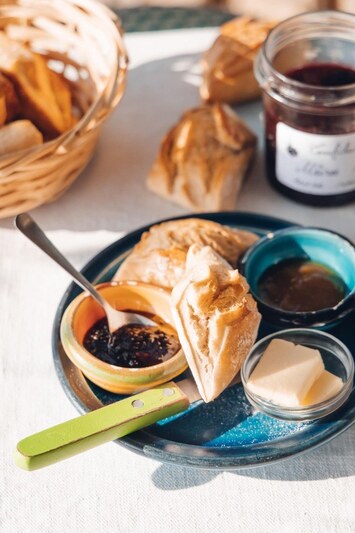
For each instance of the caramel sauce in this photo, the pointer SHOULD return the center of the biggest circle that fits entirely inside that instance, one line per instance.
(300, 285)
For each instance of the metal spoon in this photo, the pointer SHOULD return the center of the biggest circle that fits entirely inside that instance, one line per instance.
(116, 319)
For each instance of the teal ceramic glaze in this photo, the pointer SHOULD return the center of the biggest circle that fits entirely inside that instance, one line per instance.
(320, 246)
(227, 433)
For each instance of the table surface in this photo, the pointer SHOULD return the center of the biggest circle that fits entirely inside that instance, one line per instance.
(109, 488)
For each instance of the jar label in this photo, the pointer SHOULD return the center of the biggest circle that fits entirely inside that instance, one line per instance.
(315, 164)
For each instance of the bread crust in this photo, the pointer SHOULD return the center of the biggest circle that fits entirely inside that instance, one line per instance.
(19, 135)
(12, 102)
(228, 65)
(160, 256)
(2, 110)
(216, 319)
(44, 95)
(203, 159)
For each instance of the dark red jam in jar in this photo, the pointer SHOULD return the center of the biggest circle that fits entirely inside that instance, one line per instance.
(307, 72)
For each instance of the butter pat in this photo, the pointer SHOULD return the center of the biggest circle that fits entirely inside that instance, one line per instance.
(285, 373)
(325, 387)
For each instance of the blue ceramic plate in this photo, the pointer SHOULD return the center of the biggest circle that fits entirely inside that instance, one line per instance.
(227, 433)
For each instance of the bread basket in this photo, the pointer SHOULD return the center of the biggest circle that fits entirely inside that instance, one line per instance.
(82, 40)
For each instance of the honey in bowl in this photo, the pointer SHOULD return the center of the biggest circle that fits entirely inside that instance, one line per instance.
(300, 285)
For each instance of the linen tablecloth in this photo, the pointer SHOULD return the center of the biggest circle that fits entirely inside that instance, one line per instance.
(110, 489)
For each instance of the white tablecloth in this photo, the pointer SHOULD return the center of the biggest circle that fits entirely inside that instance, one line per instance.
(110, 489)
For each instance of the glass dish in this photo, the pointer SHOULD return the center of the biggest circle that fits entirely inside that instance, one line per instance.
(337, 360)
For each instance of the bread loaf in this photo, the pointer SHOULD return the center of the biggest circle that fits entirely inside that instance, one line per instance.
(228, 65)
(12, 102)
(18, 135)
(2, 110)
(216, 319)
(44, 95)
(159, 258)
(203, 159)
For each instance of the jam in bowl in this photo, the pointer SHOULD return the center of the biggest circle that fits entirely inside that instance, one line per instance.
(302, 276)
(133, 358)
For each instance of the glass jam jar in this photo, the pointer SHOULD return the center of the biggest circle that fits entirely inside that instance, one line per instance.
(306, 69)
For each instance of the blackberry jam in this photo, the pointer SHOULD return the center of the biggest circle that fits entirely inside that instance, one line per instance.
(307, 72)
(323, 74)
(131, 346)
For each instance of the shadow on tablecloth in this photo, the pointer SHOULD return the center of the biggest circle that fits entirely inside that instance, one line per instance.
(333, 460)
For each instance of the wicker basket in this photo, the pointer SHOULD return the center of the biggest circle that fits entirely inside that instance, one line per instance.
(82, 40)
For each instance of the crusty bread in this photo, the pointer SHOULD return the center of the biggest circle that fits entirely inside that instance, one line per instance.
(160, 256)
(228, 65)
(44, 95)
(203, 159)
(18, 135)
(12, 102)
(2, 109)
(216, 319)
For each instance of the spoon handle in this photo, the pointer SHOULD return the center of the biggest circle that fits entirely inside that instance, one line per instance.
(33, 232)
(97, 427)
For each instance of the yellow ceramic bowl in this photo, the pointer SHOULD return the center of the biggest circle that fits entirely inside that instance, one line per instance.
(83, 312)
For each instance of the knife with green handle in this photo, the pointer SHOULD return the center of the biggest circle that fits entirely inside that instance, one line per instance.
(105, 424)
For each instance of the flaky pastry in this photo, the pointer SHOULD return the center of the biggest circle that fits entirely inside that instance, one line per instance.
(216, 319)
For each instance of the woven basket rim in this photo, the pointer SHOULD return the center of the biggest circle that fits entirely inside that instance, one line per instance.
(62, 140)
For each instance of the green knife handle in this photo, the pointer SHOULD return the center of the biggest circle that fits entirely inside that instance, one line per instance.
(97, 427)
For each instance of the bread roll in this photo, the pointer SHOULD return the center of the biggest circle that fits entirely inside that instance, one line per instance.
(18, 135)
(7, 90)
(216, 319)
(203, 159)
(159, 258)
(2, 110)
(44, 95)
(228, 65)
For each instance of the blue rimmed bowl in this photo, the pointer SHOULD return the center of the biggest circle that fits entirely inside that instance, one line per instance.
(318, 245)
